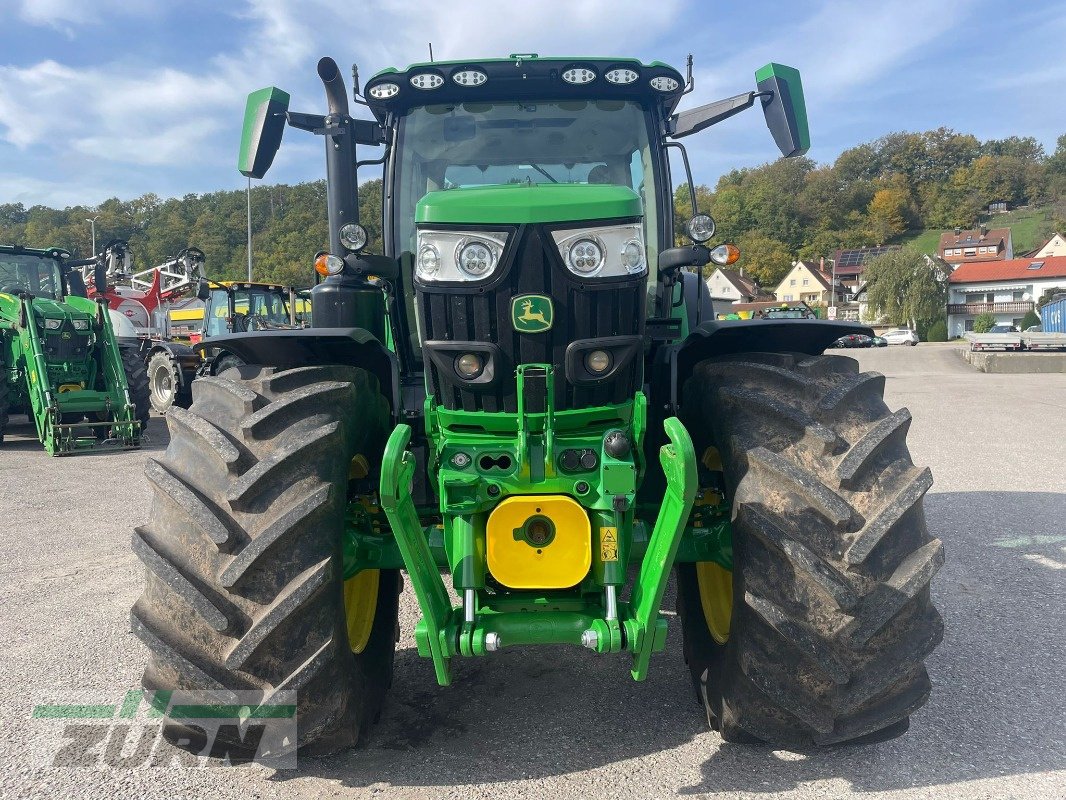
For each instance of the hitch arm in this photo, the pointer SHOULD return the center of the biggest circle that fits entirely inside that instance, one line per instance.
(397, 471)
(679, 464)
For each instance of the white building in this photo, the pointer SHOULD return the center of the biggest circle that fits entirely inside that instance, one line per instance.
(1055, 246)
(1006, 289)
(732, 286)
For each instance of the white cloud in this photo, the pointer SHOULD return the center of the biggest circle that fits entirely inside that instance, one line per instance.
(66, 15)
(133, 111)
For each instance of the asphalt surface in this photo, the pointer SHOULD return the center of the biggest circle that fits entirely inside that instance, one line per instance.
(564, 723)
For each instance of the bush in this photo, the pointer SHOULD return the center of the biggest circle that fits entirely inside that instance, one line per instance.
(984, 323)
(1031, 318)
(938, 331)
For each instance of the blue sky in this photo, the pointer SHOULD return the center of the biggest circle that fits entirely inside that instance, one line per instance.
(103, 98)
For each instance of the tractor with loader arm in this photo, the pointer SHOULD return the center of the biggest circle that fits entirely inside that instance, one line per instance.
(527, 396)
(60, 360)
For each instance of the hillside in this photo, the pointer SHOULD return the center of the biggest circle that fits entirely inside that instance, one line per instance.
(1029, 229)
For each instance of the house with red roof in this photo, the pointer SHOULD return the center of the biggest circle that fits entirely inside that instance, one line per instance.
(970, 246)
(1006, 289)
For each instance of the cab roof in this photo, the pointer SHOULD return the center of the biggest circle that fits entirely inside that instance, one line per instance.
(520, 76)
(48, 252)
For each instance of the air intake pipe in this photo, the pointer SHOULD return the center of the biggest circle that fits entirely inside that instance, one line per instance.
(345, 300)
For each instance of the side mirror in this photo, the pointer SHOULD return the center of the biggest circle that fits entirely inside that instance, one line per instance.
(677, 257)
(100, 278)
(75, 282)
(264, 124)
(203, 290)
(784, 108)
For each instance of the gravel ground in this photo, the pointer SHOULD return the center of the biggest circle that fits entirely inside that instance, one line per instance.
(565, 723)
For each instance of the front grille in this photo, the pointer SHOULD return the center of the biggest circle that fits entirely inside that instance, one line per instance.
(586, 309)
(65, 345)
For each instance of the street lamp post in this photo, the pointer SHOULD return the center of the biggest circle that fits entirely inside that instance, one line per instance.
(249, 209)
(92, 226)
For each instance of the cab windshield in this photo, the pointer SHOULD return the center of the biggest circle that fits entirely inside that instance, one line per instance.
(455, 145)
(36, 275)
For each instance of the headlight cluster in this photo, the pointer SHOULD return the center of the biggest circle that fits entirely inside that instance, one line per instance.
(81, 324)
(52, 324)
(608, 252)
(449, 256)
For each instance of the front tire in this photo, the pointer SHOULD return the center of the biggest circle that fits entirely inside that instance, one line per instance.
(244, 547)
(137, 382)
(164, 381)
(831, 617)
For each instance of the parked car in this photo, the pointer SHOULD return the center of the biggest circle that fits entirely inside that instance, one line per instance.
(879, 341)
(854, 340)
(900, 336)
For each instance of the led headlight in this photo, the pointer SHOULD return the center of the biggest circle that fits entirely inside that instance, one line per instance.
(664, 83)
(469, 77)
(81, 324)
(354, 236)
(458, 256)
(701, 228)
(52, 324)
(585, 257)
(383, 91)
(579, 75)
(427, 80)
(610, 251)
(633, 256)
(475, 258)
(620, 75)
(428, 260)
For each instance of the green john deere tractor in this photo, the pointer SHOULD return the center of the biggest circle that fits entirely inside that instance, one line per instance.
(528, 396)
(60, 363)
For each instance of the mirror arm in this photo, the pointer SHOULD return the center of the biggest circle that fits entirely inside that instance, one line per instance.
(688, 174)
(695, 120)
(305, 122)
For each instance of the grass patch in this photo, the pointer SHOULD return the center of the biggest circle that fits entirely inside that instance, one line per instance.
(1024, 224)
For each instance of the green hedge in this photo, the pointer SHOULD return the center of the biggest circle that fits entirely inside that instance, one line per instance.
(938, 331)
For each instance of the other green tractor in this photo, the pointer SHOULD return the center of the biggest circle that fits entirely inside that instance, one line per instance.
(60, 363)
(528, 394)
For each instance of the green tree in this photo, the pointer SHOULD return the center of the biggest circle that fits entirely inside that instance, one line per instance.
(904, 289)
(983, 323)
(768, 260)
(1030, 319)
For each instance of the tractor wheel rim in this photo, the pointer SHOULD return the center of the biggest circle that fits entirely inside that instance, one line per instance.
(361, 606)
(716, 597)
(162, 384)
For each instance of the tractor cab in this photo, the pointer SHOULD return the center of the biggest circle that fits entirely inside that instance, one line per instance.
(241, 307)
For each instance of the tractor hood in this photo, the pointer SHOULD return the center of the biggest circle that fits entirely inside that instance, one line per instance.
(521, 203)
(46, 308)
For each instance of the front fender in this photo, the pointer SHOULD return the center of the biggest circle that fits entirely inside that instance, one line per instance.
(725, 337)
(303, 347)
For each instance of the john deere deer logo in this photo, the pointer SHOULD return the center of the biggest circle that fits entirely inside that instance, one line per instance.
(531, 313)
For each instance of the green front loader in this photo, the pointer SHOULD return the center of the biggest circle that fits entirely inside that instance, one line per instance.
(60, 363)
(526, 404)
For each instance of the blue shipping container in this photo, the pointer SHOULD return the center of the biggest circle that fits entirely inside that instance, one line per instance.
(1053, 316)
